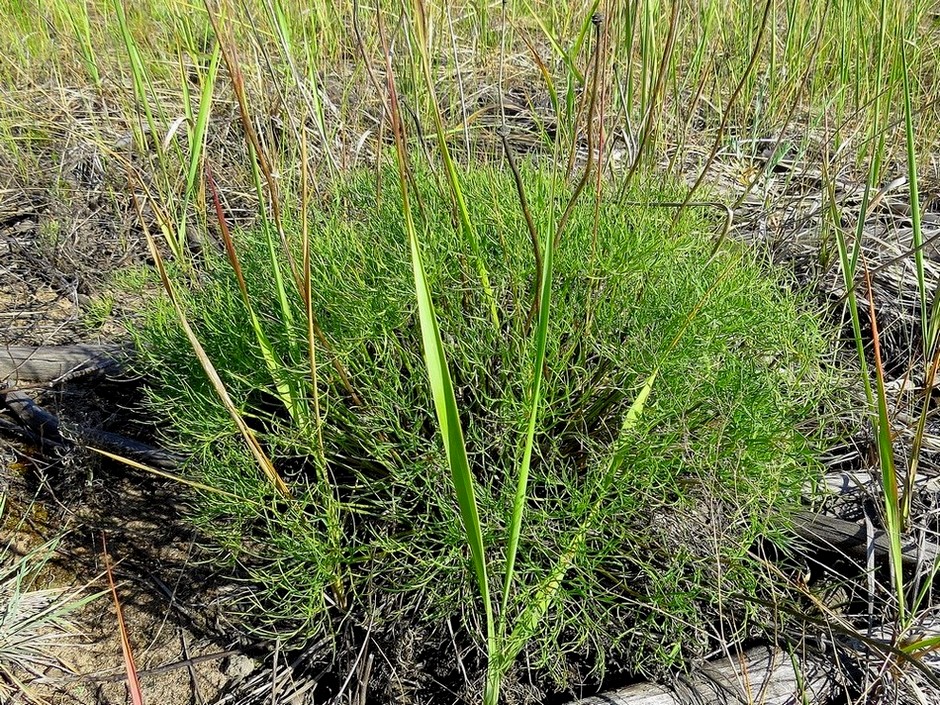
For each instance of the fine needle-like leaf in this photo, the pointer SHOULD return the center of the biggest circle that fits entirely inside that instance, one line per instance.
(267, 467)
(541, 598)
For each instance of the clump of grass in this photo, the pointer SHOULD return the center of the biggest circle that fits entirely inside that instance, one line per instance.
(97, 311)
(36, 623)
(717, 459)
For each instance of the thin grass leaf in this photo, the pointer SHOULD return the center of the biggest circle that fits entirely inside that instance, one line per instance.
(917, 232)
(546, 75)
(726, 114)
(141, 80)
(559, 49)
(81, 25)
(538, 365)
(197, 140)
(259, 160)
(334, 525)
(889, 475)
(278, 18)
(931, 643)
(541, 340)
(442, 390)
(926, 324)
(851, 298)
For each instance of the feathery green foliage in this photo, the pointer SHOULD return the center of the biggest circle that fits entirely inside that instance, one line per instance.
(717, 459)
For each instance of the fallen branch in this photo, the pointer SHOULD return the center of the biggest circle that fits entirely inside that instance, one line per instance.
(47, 428)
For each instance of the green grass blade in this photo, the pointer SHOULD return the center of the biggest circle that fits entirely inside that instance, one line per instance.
(442, 390)
(130, 666)
(198, 139)
(81, 26)
(927, 321)
(448, 417)
(889, 475)
(538, 365)
(914, 197)
(541, 335)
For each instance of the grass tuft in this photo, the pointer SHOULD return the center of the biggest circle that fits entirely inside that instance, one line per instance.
(36, 622)
(717, 458)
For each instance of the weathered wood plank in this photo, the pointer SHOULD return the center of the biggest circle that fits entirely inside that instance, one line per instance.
(827, 532)
(21, 364)
(760, 675)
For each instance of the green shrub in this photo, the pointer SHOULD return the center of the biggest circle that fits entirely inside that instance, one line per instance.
(718, 459)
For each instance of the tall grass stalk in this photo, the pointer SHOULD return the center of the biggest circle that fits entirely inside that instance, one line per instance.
(928, 317)
(885, 443)
(287, 391)
(552, 241)
(442, 390)
(522, 630)
(257, 452)
(726, 114)
(504, 640)
(648, 124)
(278, 18)
(260, 164)
(130, 665)
(877, 398)
(147, 136)
(82, 27)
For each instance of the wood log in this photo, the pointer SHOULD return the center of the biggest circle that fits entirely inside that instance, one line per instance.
(46, 427)
(847, 483)
(760, 675)
(20, 364)
(827, 532)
